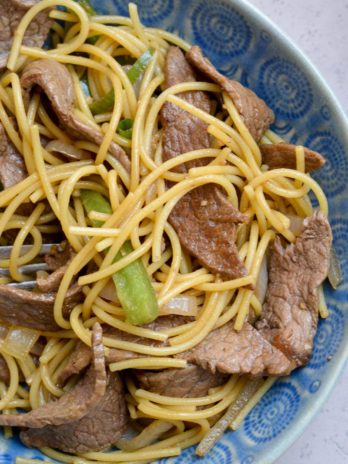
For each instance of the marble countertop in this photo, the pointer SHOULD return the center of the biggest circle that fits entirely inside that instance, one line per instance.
(319, 28)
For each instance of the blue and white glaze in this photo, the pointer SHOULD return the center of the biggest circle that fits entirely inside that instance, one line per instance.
(243, 44)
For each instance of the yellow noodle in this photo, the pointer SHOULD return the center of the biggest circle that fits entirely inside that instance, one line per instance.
(147, 363)
(17, 245)
(27, 18)
(14, 381)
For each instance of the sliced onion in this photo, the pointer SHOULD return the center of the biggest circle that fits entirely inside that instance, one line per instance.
(262, 281)
(296, 224)
(19, 342)
(222, 424)
(184, 305)
(109, 292)
(3, 333)
(66, 149)
(335, 274)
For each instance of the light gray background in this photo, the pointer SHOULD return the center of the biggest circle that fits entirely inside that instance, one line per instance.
(320, 29)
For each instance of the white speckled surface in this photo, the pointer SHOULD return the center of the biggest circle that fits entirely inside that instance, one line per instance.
(320, 29)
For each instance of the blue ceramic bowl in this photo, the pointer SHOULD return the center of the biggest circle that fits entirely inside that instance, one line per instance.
(244, 45)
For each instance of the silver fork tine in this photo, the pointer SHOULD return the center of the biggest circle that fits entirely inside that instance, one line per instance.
(26, 269)
(5, 251)
(26, 285)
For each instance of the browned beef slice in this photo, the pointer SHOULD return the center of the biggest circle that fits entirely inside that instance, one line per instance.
(4, 372)
(193, 381)
(48, 283)
(80, 358)
(204, 219)
(183, 131)
(34, 310)
(100, 428)
(12, 12)
(246, 352)
(59, 256)
(58, 262)
(283, 155)
(290, 312)
(12, 166)
(76, 403)
(205, 222)
(54, 79)
(254, 111)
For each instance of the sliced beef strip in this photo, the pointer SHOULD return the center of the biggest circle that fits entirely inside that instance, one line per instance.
(193, 381)
(204, 219)
(290, 312)
(58, 261)
(48, 283)
(100, 428)
(58, 257)
(77, 361)
(54, 79)
(205, 222)
(283, 155)
(12, 166)
(76, 403)
(245, 352)
(34, 310)
(80, 358)
(4, 371)
(12, 12)
(254, 111)
(183, 131)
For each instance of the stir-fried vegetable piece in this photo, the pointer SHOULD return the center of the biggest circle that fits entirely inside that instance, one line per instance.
(125, 128)
(106, 103)
(84, 85)
(134, 289)
(216, 432)
(19, 341)
(139, 66)
(87, 6)
(335, 273)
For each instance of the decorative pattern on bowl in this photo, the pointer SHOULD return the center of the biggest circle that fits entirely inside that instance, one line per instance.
(246, 46)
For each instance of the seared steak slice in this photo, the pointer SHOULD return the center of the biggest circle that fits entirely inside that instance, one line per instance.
(58, 262)
(12, 166)
(290, 312)
(183, 132)
(80, 358)
(12, 12)
(4, 372)
(54, 79)
(74, 404)
(102, 426)
(254, 111)
(283, 155)
(205, 222)
(204, 219)
(58, 257)
(191, 382)
(34, 310)
(48, 283)
(245, 352)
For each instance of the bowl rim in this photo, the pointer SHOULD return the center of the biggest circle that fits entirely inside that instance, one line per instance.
(250, 10)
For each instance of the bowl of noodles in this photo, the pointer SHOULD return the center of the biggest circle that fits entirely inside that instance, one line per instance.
(173, 187)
